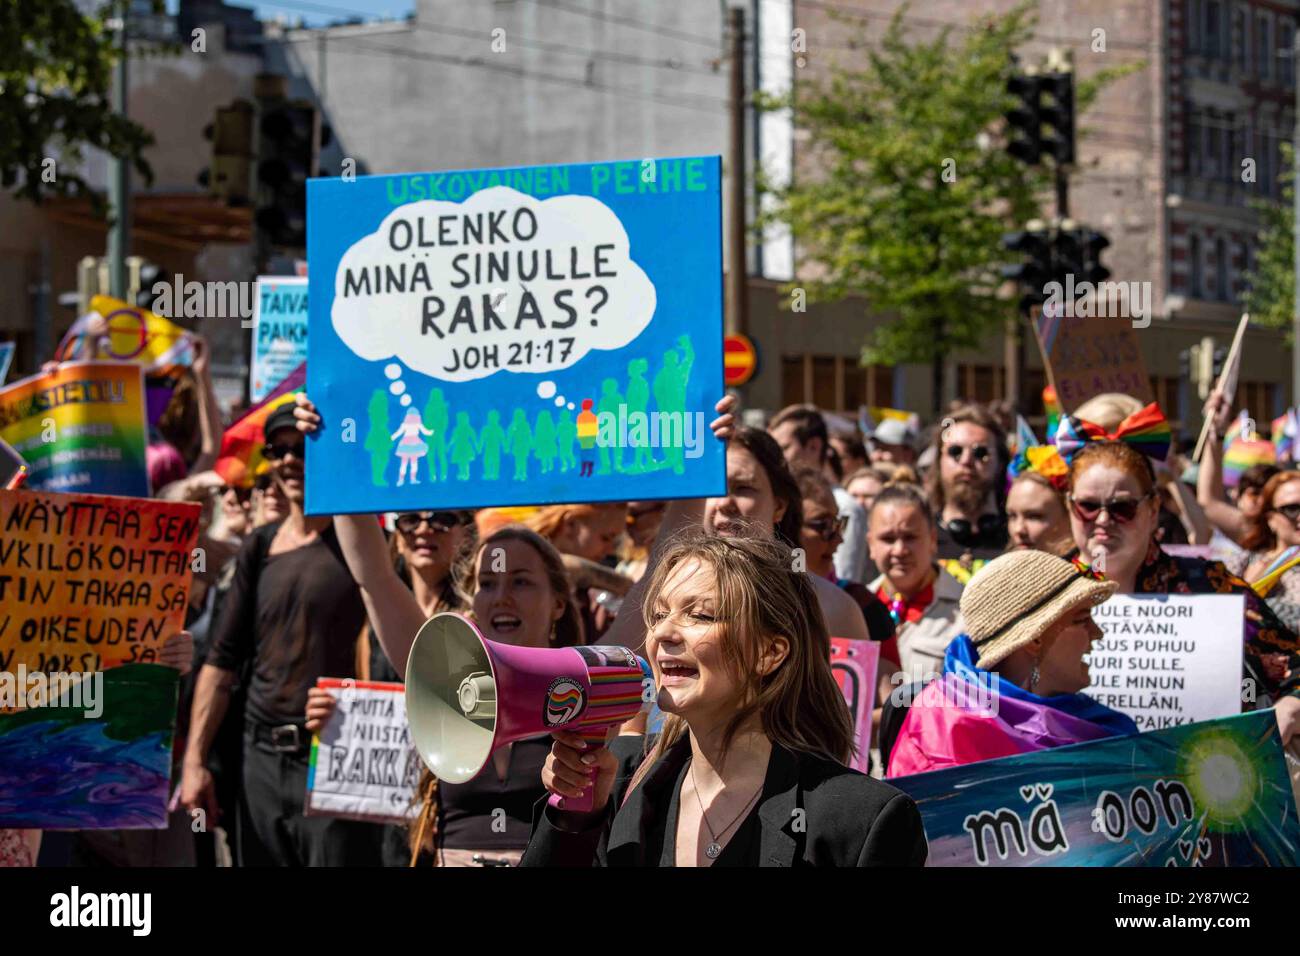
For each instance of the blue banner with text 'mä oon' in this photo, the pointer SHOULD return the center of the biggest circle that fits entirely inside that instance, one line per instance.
(515, 336)
(1215, 793)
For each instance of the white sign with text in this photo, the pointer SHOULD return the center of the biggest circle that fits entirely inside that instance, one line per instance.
(1169, 659)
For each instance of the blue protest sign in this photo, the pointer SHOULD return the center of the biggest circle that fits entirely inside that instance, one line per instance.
(279, 332)
(1215, 793)
(516, 336)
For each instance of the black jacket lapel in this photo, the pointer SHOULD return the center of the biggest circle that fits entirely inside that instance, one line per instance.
(782, 827)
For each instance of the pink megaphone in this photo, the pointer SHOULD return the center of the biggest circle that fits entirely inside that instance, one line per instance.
(466, 696)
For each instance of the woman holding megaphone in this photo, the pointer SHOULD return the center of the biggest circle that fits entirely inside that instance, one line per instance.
(749, 767)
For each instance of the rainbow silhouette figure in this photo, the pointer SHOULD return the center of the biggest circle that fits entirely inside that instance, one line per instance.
(564, 701)
(588, 428)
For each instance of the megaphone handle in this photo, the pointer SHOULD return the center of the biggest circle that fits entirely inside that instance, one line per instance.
(596, 736)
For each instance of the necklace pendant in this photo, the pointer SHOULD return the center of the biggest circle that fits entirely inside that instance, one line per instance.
(712, 851)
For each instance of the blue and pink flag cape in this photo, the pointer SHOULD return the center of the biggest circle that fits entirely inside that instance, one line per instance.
(969, 714)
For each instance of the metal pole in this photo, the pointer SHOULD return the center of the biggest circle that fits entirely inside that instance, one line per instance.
(737, 267)
(119, 177)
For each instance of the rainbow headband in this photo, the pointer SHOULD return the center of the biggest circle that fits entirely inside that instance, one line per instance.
(1043, 459)
(1146, 430)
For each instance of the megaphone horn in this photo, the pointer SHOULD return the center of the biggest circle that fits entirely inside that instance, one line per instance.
(466, 696)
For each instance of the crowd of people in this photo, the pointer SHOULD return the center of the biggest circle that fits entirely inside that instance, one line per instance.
(975, 569)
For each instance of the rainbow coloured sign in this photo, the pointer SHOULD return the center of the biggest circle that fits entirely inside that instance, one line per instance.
(1211, 794)
(80, 428)
(88, 582)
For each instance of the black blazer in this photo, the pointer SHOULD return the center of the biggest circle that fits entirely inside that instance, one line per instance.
(849, 819)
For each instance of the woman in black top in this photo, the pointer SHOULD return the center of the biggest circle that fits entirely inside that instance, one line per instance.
(749, 768)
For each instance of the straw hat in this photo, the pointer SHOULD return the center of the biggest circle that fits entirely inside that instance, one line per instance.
(1019, 596)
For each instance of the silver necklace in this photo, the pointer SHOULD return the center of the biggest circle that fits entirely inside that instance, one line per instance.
(714, 849)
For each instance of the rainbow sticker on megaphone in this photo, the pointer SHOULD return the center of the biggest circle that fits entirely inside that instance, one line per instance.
(565, 700)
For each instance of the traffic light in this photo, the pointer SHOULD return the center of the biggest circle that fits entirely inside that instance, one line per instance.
(231, 132)
(1025, 120)
(1091, 245)
(289, 147)
(1220, 355)
(1057, 114)
(1185, 365)
(142, 276)
(1036, 271)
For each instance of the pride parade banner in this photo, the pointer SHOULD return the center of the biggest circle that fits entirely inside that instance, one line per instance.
(363, 764)
(1210, 794)
(854, 665)
(515, 336)
(88, 582)
(100, 758)
(279, 332)
(80, 428)
(1086, 356)
(1169, 659)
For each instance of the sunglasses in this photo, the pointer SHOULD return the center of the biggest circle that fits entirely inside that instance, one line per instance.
(982, 453)
(243, 494)
(438, 521)
(827, 528)
(1290, 512)
(1122, 510)
(281, 450)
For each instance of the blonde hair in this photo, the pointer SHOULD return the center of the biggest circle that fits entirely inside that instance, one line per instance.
(758, 596)
(1108, 409)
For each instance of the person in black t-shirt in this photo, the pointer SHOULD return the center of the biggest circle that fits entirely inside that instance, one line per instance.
(294, 612)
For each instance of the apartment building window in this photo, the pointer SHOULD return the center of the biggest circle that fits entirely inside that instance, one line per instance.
(1259, 399)
(1195, 11)
(1220, 270)
(979, 383)
(1194, 253)
(1286, 54)
(1214, 39)
(1264, 45)
(1213, 160)
(1192, 143)
(1241, 37)
(1279, 166)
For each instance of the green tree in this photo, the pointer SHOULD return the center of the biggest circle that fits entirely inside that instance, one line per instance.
(1270, 296)
(56, 67)
(909, 189)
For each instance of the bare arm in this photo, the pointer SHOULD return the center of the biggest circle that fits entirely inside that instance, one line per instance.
(394, 613)
(1191, 514)
(589, 574)
(210, 427)
(211, 698)
(1210, 494)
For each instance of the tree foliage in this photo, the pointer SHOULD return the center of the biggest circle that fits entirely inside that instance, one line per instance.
(912, 188)
(1270, 296)
(56, 67)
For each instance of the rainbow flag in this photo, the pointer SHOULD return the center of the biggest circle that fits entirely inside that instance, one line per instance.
(1053, 409)
(1285, 427)
(241, 459)
(1243, 448)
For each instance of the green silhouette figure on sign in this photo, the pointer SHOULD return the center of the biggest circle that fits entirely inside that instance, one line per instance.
(670, 395)
(378, 441)
(638, 399)
(491, 441)
(544, 445)
(519, 442)
(437, 417)
(610, 400)
(463, 444)
(566, 434)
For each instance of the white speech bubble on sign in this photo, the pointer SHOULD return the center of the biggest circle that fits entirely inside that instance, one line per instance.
(426, 286)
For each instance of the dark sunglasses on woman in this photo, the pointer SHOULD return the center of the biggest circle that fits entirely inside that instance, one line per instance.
(827, 528)
(1290, 512)
(1121, 510)
(279, 450)
(438, 521)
